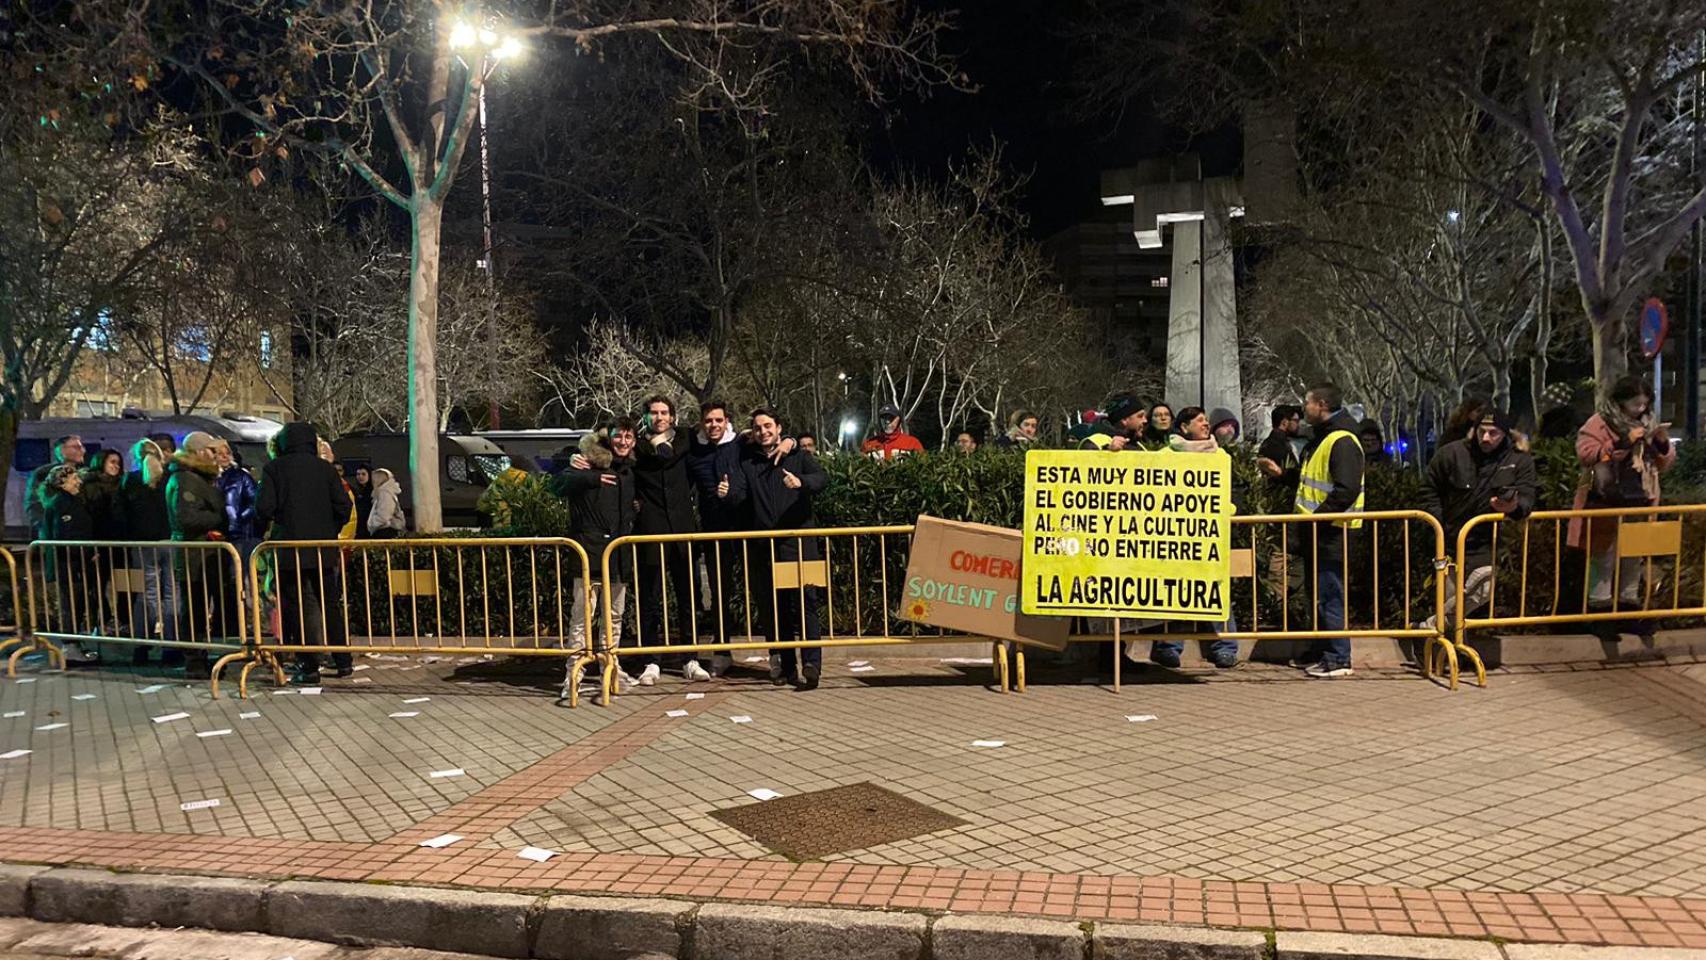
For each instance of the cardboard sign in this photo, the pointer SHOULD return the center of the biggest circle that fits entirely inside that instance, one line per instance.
(965, 576)
(1128, 534)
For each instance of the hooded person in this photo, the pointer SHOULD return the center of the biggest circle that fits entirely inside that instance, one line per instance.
(1223, 423)
(601, 507)
(209, 611)
(1373, 440)
(386, 520)
(303, 498)
(1022, 429)
(1482, 473)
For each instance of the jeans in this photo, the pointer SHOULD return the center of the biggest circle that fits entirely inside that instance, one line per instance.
(159, 593)
(1216, 649)
(1329, 588)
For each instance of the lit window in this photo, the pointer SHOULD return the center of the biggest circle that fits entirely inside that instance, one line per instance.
(97, 408)
(266, 349)
(1159, 282)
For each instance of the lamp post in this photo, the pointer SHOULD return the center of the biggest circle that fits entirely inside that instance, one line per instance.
(491, 47)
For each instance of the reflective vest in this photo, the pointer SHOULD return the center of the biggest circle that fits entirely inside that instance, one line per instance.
(1098, 440)
(1316, 480)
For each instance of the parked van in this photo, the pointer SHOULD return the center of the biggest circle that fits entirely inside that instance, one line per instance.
(466, 465)
(535, 450)
(247, 435)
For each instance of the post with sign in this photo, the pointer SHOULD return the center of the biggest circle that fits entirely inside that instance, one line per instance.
(1655, 326)
(1127, 535)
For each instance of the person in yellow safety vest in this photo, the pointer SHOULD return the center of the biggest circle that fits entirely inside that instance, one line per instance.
(1329, 482)
(1121, 428)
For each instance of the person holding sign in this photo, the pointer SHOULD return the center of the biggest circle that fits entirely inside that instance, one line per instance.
(1194, 435)
(1121, 428)
(1330, 483)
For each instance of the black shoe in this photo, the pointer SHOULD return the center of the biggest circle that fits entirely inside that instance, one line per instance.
(812, 673)
(139, 657)
(197, 669)
(1226, 661)
(305, 678)
(1164, 657)
(345, 673)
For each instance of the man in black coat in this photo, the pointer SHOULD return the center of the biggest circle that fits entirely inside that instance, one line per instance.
(142, 500)
(65, 450)
(301, 497)
(666, 588)
(210, 608)
(779, 492)
(601, 507)
(712, 463)
(1470, 477)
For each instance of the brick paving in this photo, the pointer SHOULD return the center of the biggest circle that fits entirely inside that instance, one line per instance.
(1555, 806)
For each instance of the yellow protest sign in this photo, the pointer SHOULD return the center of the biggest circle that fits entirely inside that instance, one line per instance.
(1127, 534)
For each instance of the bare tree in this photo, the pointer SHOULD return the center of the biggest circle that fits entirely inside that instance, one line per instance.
(606, 379)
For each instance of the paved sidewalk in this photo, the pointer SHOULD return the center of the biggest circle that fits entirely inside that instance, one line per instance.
(1555, 806)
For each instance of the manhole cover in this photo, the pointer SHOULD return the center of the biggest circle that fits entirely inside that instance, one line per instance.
(813, 825)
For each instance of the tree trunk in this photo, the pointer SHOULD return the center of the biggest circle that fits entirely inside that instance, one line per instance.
(427, 216)
(1610, 348)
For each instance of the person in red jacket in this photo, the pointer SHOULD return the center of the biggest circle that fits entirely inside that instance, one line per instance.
(891, 442)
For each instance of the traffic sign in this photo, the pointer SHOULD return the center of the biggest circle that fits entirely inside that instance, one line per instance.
(1655, 326)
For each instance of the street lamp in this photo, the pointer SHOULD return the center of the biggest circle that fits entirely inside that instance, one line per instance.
(492, 47)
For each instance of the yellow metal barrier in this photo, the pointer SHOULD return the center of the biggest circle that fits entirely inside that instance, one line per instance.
(729, 601)
(1619, 550)
(182, 595)
(736, 587)
(1384, 567)
(467, 596)
(14, 604)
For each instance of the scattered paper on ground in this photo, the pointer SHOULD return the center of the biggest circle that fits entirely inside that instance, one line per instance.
(13, 713)
(741, 719)
(763, 793)
(440, 774)
(151, 688)
(362, 680)
(198, 805)
(863, 669)
(169, 717)
(695, 696)
(536, 854)
(84, 696)
(405, 713)
(361, 667)
(442, 840)
(755, 660)
(248, 716)
(52, 726)
(215, 733)
(310, 691)
(26, 679)
(417, 700)
(857, 663)
(676, 713)
(13, 754)
(282, 693)
(969, 660)
(989, 743)
(1142, 718)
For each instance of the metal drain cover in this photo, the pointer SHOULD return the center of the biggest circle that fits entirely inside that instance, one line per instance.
(808, 826)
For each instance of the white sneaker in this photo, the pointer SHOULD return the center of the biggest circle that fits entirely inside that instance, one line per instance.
(650, 675)
(1325, 671)
(720, 664)
(76, 654)
(693, 671)
(624, 681)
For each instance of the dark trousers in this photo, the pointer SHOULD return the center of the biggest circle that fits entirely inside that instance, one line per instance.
(310, 602)
(667, 591)
(782, 616)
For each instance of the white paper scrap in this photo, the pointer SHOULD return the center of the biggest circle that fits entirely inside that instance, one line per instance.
(974, 661)
(857, 663)
(695, 696)
(26, 679)
(362, 680)
(361, 667)
(417, 700)
(442, 840)
(863, 669)
(536, 854)
(248, 716)
(675, 713)
(741, 719)
(755, 659)
(84, 696)
(13, 754)
(989, 743)
(151, 688)
(441, 774)
(405, 713)
(53, 726)
(169, 717)
(12, 713)
(282, 693)
(215, 733)
(309, 691)
(198, 805)
(1142, 718)
(763, 793)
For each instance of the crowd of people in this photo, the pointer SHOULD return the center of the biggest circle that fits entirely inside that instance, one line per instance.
(658, 477)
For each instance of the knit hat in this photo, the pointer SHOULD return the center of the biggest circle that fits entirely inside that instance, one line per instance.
(1122, 405)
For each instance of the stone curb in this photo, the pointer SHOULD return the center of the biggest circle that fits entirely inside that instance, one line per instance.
(565, 927)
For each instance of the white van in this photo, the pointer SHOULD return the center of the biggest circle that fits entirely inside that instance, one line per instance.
(247, 435)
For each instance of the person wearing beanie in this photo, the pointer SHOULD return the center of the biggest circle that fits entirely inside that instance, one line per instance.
(1122, 426)
(1482, 473)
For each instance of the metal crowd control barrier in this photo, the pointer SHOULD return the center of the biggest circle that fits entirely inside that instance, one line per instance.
(1384, 567)
(170, 594)
(1609, 576)
(447, 596)
(14, 605)
(742, 587)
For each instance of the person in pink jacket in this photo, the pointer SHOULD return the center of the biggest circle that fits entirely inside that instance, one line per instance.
(1622, 453)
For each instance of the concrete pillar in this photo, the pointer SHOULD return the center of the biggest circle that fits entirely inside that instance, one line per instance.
(1202, 322)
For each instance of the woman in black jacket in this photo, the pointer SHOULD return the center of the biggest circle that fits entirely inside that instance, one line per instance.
(66, 517)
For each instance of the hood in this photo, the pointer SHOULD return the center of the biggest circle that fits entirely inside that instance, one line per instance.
(182, 461)
(730, 435)
(298, 437)
(596, 449)
(385, 478)
(1220, 415)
